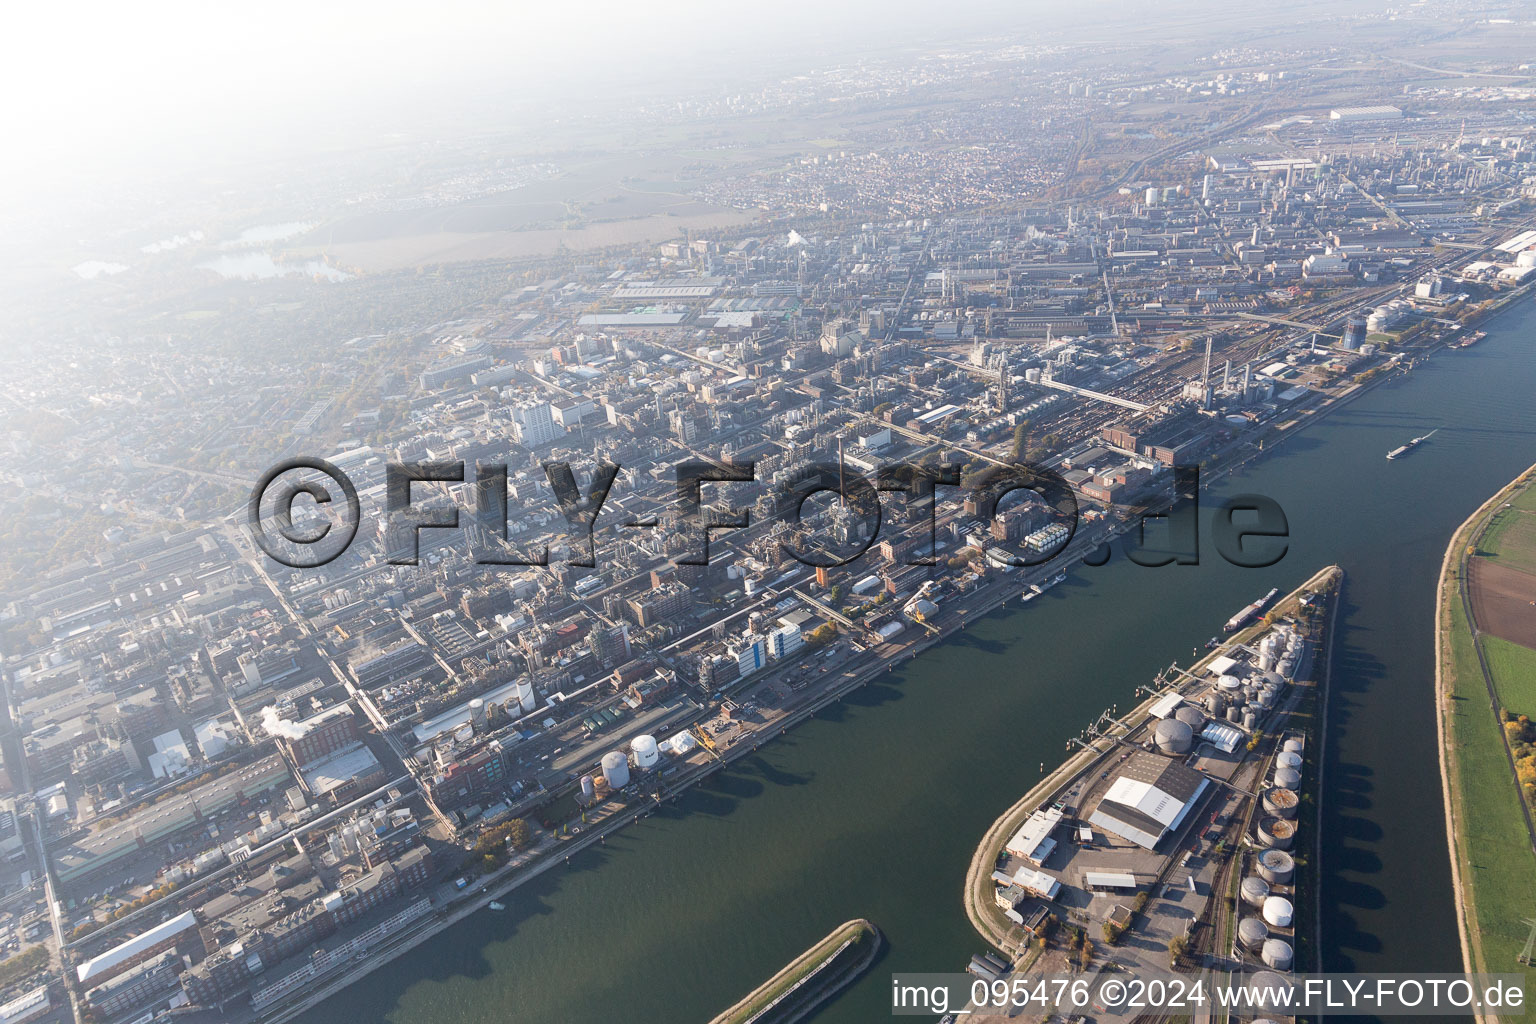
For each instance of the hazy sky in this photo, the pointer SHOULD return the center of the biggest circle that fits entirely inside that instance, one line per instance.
(89, 82)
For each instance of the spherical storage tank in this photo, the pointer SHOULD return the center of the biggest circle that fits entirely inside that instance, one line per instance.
(1191, 717)
(616, 769)
(1276, 833)
(1174, 736)
(1254, 891)
(1287, 778)
(1278, 911)
(1276, 867)
(644, 748)
(1251, 932)
(1278, 954)
(1281, 803)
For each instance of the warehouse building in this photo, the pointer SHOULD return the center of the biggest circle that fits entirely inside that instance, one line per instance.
(1149, 797)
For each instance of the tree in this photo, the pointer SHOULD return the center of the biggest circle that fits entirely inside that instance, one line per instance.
(1178, 948)
(1020, 438)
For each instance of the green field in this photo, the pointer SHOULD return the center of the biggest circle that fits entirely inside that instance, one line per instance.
(1514, 674)
(1511, 537)
(1498, 866)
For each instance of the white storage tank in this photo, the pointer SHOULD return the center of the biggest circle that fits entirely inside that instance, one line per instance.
(1251, 932)
(1276, 867)
(1287, 778)
(1229, 684)
(526, 699)
(588, 788)
(1276, 833)
(616, 769)
(1278, 954)
(1278, 911)
(1254, 891)
(477, 714)
(1288, 759)
(1281, 803)
(1293, 746)
(645, 751)
(1173, 736)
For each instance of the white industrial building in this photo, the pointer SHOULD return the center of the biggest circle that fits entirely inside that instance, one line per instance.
(1377, 113)
(1033, 840)
(1148, 798)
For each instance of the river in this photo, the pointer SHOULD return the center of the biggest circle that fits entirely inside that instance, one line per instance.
(874, 809)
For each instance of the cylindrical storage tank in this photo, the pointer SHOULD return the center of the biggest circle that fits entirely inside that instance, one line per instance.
(1251, 932)
(525, 696)
(1215, 705)
(1288, 759)
(1276, 833)
(1174, 737)
(1277, 953)
(1250, 719)
(616, 769)
(1267, 990)
(645, 751)
(1279, 912)
(1266, 698)
(1293, 746)
(588, 788)
(1276, 680)
(477, 714)
(1276, 867)
(1287, 778)
(1235, 714)
(1229, 683)
(1266, 660)
(1254, 891)
(1191, 717)
(1282, 803)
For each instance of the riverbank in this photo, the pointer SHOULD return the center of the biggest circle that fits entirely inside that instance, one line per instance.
(810, 979)
(1486, 826)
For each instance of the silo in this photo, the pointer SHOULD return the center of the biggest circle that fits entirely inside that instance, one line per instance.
(588, 788)
(1288, 759)
(1254, 891)
(644, 748)
(616, 769)
(1278, 911)
(1276, 833)
(1251, 932)
(1173, 736)
(1293, 746)
(1278, 954)
(1152, 196)
(1191, 717)
(1282, 803)
(526, 700)
(1287, 778)
(1276, 867)
(477, 714)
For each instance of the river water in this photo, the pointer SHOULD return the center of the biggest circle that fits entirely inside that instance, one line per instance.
(874, 809)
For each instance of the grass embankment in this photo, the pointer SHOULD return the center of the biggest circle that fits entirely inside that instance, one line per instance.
(1494, 864)
(863, 940)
